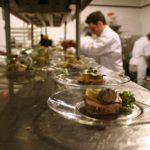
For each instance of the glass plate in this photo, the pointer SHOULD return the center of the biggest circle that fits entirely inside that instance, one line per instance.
(69, 104)
(72, 80)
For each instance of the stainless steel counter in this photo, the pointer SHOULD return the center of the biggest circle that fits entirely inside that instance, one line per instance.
(75, 136)
(26, 122)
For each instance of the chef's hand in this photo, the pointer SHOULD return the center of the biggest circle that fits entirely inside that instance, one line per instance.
(68, 43)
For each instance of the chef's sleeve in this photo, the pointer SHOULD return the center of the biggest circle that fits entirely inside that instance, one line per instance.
(96, 47)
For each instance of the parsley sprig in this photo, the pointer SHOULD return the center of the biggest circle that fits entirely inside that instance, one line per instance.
(128, 99)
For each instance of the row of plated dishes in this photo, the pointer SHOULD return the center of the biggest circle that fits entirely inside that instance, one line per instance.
(95, 97)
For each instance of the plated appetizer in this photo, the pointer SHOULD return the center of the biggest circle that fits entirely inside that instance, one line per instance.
(69, 55)
(108, 102)
(90, 76)
(19, 69)
(74, 64)
(41, 56)
(16, 69)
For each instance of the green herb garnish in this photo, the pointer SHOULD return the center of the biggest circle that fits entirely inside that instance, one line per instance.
(128, 101)
(91, 70)
(29, 67)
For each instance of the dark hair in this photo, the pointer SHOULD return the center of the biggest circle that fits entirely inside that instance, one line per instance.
(95, 17)
(148, 35)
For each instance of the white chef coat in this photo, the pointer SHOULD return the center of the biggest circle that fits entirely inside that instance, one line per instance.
(138, 63)
(106, 49)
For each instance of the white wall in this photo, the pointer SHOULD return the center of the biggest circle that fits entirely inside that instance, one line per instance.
(57, 33)
(145, 21)
(133, 20)
(125, 17)
(118, 2)
(145, 17)
(145, 2)
(128, 18)
(14, 22)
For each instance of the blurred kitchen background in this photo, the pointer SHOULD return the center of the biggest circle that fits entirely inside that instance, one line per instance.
(130, 18)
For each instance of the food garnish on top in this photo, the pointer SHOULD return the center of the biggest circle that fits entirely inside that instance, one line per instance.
(74, 63)
(41, 56)
(91, 76)
(16, 67)
(128, 101)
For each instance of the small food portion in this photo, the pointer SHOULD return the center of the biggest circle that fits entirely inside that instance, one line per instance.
(74, 64)
(41, 56)
(16, 69)
(96, 104)
(105, 102)
(90, 76)
(69, 55)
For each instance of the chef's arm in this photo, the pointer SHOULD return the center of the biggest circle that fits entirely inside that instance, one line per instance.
(97, 47)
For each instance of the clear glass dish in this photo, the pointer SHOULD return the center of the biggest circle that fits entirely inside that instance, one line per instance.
(72, 80)
(69, 103)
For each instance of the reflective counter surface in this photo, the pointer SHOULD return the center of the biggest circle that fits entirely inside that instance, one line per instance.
(27, 123)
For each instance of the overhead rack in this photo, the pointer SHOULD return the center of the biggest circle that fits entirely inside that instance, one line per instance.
(43, 13)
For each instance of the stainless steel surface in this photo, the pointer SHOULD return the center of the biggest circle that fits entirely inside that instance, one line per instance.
(72, 80)
(70, 104)
(65, 30)
(26, 122)
(20, 104)
(43, 12)
(7, 26)
(32, 35)
(78, 28)
(75, 136)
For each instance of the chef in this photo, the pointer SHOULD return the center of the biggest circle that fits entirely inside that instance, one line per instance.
(140, 54)
(105, 48)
